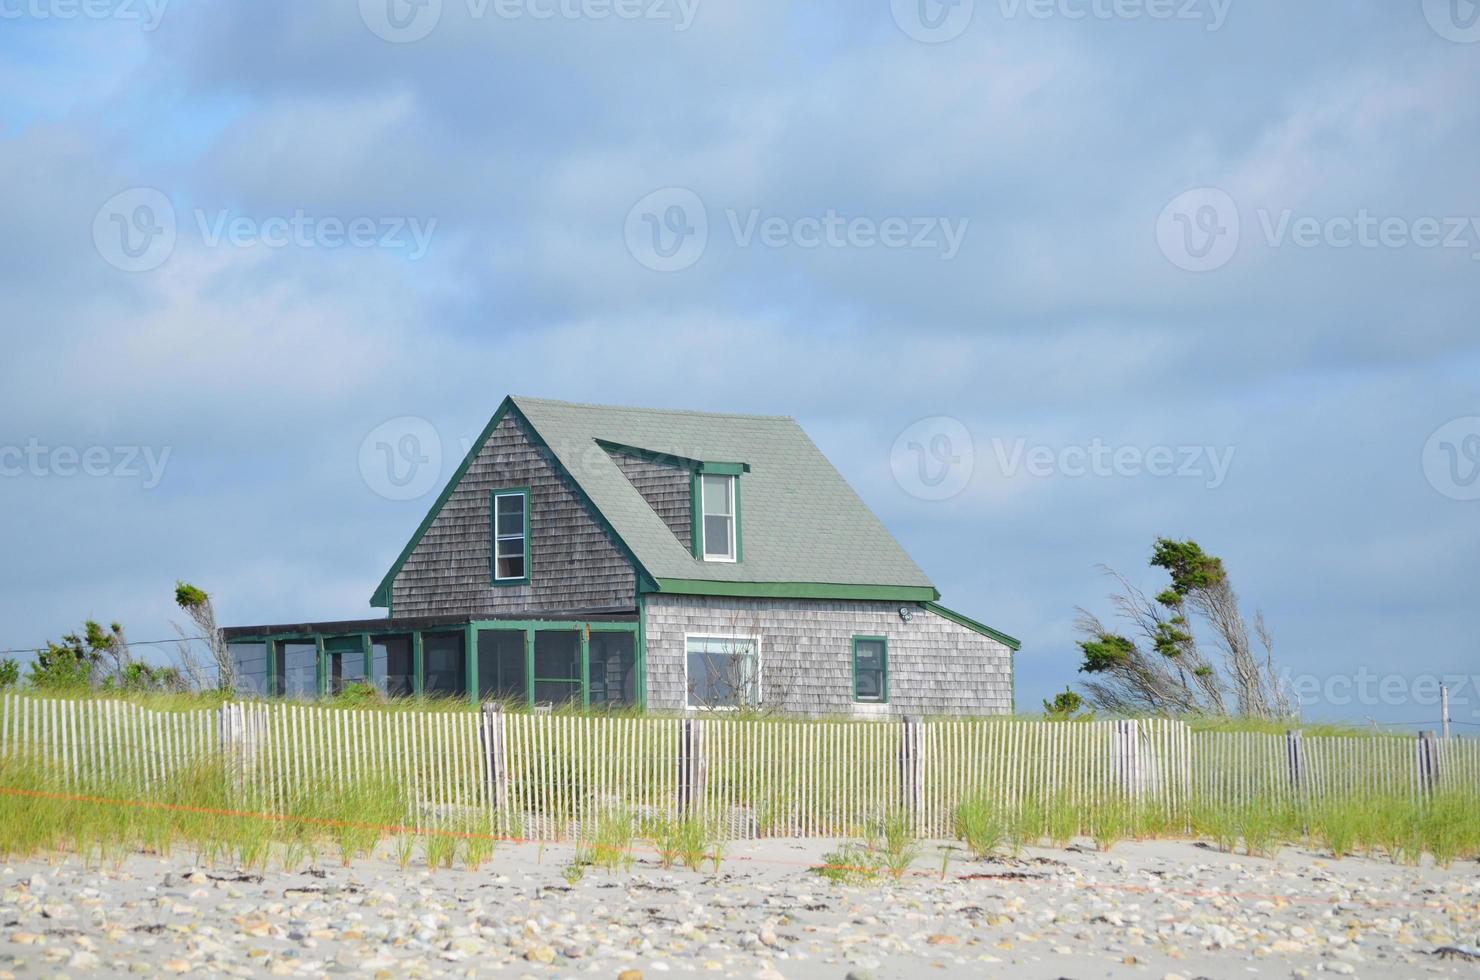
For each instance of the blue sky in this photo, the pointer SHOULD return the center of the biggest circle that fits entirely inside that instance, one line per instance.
(1244, 230)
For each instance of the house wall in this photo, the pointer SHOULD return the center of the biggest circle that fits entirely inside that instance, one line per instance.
(936, 667)
(574, 564)
(667, 489)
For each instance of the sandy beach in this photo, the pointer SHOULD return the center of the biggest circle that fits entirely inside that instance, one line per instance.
(1152, 909)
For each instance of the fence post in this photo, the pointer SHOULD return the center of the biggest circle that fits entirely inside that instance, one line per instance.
(1428, 762)
(912, 768)
(691, 766)
(1295, 760)
(1128, 757)
(497, 761)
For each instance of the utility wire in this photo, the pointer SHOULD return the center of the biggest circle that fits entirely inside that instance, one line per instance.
(131, 643)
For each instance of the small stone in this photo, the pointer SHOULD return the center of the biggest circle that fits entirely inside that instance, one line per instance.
(1336, 966)
(630, 975)
(942, 939)
(178, 965)
(540, 954)
(26, 939)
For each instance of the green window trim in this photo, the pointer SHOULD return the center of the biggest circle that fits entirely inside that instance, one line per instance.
(796, 590)
(696, 517)
(494, 538)
(883, 670)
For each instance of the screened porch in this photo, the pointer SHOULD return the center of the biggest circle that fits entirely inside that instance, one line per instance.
(593, 662)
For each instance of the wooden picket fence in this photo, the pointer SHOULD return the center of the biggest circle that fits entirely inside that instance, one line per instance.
(548, 776)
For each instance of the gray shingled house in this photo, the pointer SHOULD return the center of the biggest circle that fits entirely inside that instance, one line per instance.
(664, 559)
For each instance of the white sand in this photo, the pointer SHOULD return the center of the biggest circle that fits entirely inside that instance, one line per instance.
(1145, 910)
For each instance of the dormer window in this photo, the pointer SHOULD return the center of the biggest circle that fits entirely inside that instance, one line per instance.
(718, 510)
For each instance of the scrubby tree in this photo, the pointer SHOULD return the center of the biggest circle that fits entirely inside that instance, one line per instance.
(81, 659)
(1169, 670)
(10, 673)
(197, 605)
(1063, 706)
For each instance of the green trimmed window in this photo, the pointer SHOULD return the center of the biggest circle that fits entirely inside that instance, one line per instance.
(509, 511)
(870, 669)
(719, 516)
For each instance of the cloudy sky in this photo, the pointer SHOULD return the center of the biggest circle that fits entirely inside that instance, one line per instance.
(1044, 279)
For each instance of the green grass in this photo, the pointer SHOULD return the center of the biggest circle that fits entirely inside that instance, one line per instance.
(981, 825)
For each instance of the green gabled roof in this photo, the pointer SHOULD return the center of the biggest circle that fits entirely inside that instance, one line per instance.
(806, 534)
(805, 531)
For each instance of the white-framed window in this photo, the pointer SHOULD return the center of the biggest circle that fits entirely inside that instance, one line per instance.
(722, 672)
(510, 517)
(717, 512)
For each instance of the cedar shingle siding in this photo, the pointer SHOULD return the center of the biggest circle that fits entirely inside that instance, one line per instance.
(667, 489)
(574, 565)
(936, 667)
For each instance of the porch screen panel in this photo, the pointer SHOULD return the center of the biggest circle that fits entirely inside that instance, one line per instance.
(443, 664)
(300, 669)
(392, 668)
(557, 666)
(501, 672)
(250, 660)
(613, 668)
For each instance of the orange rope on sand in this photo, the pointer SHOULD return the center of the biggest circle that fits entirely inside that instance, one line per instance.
(432, 832)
